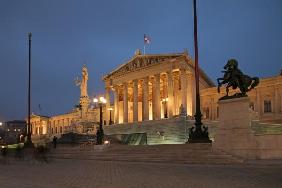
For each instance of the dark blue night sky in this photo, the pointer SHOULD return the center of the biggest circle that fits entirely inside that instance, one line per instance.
(104, 34)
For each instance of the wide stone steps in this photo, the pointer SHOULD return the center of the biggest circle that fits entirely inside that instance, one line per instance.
(188, 153)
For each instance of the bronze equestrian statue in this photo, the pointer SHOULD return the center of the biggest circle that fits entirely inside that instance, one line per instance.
(233, 77)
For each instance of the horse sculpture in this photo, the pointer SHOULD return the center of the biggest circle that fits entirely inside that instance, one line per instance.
(233, 77)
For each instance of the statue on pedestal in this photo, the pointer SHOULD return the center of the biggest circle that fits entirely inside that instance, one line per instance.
(84, 99)
(233, 77)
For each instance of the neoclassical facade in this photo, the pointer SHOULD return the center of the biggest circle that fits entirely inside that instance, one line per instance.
(156, 87)
(153, 87)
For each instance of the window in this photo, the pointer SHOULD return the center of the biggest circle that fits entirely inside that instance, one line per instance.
(267, 106)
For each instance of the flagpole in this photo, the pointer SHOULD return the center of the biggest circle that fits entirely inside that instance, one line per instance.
(28, 142)
(144, 49)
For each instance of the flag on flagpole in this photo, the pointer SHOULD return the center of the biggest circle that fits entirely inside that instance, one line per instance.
(147, 40)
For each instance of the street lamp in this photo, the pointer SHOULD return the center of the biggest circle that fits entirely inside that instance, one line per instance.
(100, 131)
(110, 109)
(199, 134)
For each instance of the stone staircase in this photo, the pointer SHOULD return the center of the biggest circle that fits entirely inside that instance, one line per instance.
(184, 154)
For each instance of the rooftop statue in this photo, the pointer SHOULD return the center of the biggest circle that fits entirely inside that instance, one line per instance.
(233, 77)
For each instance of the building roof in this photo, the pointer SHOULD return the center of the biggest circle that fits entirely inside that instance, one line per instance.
(143, 61)
(38, 115)
(139, 61)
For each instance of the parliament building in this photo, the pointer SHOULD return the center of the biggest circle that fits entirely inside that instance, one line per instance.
(154, 95)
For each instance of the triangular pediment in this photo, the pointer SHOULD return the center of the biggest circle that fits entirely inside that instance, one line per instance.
(140, 62)
(37, 116)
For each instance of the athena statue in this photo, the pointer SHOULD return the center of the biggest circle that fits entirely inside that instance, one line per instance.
(83, 82)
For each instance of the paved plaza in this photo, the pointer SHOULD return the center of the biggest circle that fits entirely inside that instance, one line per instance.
(112, 174)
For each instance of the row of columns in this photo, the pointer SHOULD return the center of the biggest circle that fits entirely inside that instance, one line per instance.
(186, 91)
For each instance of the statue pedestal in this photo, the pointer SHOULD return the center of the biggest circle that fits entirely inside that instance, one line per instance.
(234, 134)
(84, 103)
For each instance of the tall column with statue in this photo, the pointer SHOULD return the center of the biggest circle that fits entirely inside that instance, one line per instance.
(84, 99)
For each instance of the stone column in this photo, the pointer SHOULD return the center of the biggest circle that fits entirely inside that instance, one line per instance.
(156, 98)
(135, 100)
(176, 95)
(212, 111)
(276, 101)
(116, 102)
(183, 78)
(145, 99)
(280, 101)
(108, 104)
(258, 103)
(190, 94)
(193, 96)
(170, 101)
(125, 102)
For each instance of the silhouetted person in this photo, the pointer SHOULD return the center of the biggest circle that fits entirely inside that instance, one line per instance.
(19, 152)
(4, 152)
(54, 141)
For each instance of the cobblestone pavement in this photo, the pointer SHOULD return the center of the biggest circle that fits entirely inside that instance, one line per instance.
(112, 174)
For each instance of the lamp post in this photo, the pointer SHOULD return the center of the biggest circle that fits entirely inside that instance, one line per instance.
(110, 109)
(100, 131)
(199, 134)
(28, 142)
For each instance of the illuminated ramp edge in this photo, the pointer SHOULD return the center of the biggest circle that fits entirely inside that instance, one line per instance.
(128, 139)
(165, 131)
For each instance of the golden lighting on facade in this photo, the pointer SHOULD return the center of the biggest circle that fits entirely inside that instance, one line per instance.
(165, 99)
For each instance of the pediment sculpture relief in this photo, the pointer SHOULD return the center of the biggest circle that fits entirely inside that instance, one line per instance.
(139, 63)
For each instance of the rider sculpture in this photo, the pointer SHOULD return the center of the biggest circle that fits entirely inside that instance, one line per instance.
(233, 77)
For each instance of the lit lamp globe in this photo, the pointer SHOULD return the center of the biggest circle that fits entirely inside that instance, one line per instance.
(103, 100)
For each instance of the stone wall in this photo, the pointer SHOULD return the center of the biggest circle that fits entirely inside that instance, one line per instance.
(235, 135)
